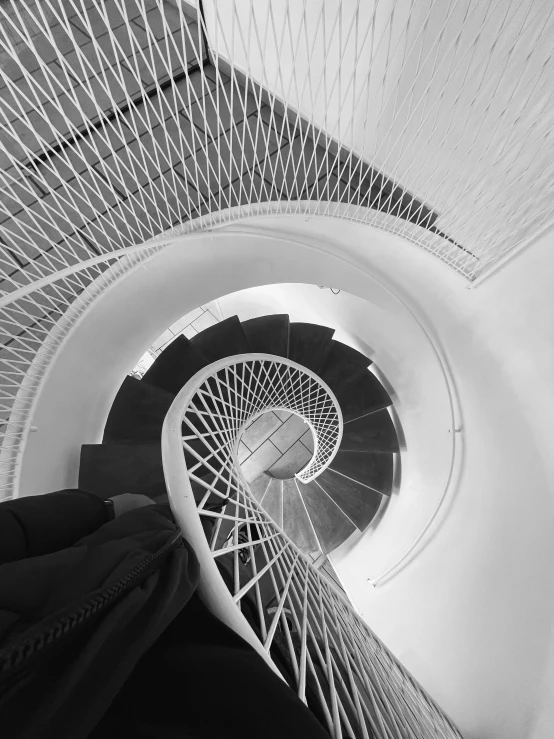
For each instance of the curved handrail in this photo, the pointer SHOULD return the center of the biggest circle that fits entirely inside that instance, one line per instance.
(450, 384)
(37, 319)
(296, 389)
(179, 487)
(333, 658)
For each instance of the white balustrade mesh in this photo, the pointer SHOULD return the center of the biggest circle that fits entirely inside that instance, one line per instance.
(326, 652)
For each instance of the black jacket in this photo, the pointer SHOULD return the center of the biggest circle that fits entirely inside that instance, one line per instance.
(101, 633)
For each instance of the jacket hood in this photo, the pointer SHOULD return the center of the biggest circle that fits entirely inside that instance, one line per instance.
(35, 588)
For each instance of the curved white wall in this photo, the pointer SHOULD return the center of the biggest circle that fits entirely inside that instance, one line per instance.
(471, 616)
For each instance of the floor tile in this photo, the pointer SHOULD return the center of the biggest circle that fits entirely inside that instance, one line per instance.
(163, 339)
(261, 460)
(243, 452)
(189, 332)
(214, 307)
(308, 441)
(291, 462)
(204, 321)
(260, 430)
(289, 433)
(283, 415)
(185, 320)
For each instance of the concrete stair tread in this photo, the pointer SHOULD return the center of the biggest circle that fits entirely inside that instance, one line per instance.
(373, 469)
(268, 334)
(365, 395)
(198, 446)
(273, 501)
(213, 501)
(259, 487)
(137, 413)
(372, 433)
(310, 344)
(114, 469)
(296, 522)
(224, 339)
(330, 524)
(175, 366)
(356, 501)
(343, 366)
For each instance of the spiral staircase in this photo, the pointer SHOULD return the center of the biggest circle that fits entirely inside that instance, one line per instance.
(261, 545)
(318, 515)
(130, 126)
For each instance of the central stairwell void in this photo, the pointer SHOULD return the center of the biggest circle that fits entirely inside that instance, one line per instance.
(319, 513)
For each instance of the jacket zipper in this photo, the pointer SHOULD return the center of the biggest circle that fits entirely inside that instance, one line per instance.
(16, 654)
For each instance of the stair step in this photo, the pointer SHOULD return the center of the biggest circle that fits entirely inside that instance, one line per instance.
(374, 469)
(343, 366)
(273, 501)
(203, 450)
(259, 487)
(217, 396)
(175, 366)
(365, 395)
(296, 523)
(203, 423)
(359, 503)
(310, 344)
(332, 574)
(331, 526)
(221, 484)
(268, 334)
(372, 433)
(114, 469)
(223, 339)
(292, 461)
(137, 413)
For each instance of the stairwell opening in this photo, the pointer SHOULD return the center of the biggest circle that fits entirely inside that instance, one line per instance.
(318, 516)
(278, 442)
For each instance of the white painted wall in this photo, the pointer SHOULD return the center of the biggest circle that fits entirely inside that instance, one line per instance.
(472, 615)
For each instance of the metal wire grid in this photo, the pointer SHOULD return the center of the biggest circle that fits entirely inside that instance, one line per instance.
(117, 122)
(239, 392)
(34, 324)
(325, 651)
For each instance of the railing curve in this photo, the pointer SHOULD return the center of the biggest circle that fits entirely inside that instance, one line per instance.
(254, 578)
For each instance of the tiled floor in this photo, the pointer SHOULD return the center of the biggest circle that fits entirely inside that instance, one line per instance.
(278, 442)
(190, 324)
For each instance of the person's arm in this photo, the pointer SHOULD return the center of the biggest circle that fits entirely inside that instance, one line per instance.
(40, 524)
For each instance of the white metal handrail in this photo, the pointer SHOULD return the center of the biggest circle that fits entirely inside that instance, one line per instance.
(241, 388)
(34, 324)
(256, 580)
